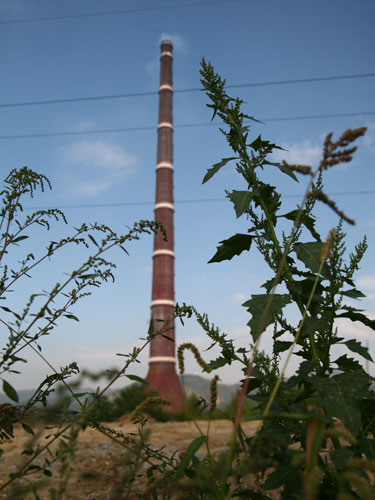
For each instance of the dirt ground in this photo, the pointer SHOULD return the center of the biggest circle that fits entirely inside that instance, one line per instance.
(98, 465)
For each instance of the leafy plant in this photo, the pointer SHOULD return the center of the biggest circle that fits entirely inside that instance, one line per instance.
(298, 446)
(39, 317)
(315, 435)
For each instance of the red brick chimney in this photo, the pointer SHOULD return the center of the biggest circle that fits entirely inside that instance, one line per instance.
(162, 376)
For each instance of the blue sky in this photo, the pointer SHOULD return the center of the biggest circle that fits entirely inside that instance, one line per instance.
(247, 42)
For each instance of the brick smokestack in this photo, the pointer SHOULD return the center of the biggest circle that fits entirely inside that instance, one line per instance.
(162, 376)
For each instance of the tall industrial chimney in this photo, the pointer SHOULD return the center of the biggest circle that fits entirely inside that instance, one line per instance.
(162, 376)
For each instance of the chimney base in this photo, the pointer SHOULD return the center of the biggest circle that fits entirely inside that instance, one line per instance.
(162, 378)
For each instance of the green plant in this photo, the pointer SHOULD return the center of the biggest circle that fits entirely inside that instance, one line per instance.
(315, 437)
(38, 318)
(298, 446)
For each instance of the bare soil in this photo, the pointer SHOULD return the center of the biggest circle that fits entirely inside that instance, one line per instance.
(98, 466)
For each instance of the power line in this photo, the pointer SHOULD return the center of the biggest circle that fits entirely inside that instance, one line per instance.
(182, 125)
(204, 200)
(180, 91)
(58, 134)
(314, 117)
(115, 12)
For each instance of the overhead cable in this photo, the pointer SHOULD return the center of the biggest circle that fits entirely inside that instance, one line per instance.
(182, 125)
(115, 12)
(180, 91)
(204, 200)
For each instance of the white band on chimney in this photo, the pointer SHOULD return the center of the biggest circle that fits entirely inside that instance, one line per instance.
(163, 252)
(164, 164)
(165, 124)
(164, 204)
(162, 302)
(165, 86)
(166, 53)
(162, 359)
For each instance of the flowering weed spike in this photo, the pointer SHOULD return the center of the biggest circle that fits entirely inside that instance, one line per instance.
(333, 155)
(194, 350)
(319, 195)
(301, 169)
(326, 250)
(213, 392)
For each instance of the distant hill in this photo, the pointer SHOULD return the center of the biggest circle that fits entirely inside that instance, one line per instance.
(193, 384)
(201, 387)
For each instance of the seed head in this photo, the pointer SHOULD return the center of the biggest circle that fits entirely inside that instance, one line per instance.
(319, 195)
(302, 169)
(333, 153)
(194, 350)
(213, 392)
(326, 250)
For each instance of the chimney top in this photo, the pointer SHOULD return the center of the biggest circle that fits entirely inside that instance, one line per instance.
(166, 42)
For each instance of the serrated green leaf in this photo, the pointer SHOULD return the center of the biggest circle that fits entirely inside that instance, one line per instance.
(304, 370)
(10, 391)
(218, 363)
(71, 316)
(355, 315)
(241, 201)
(312, 325)
(283, 168)
(231, 247)
(259, 143)
(353, 294)
(191, 450)
(281, 346)
(347, 364)
(357, 347)
(257, 307)
(302, 289)
(216, 167)
(263, 192)
(306, 220)
(137, 379)
(340, 395)
(254, 383)
(309, 254)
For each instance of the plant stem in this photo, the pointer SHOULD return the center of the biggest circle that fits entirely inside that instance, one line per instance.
(316, 359)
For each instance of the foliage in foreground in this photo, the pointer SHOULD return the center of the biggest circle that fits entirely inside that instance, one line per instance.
(299, 448)
(315, 438)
